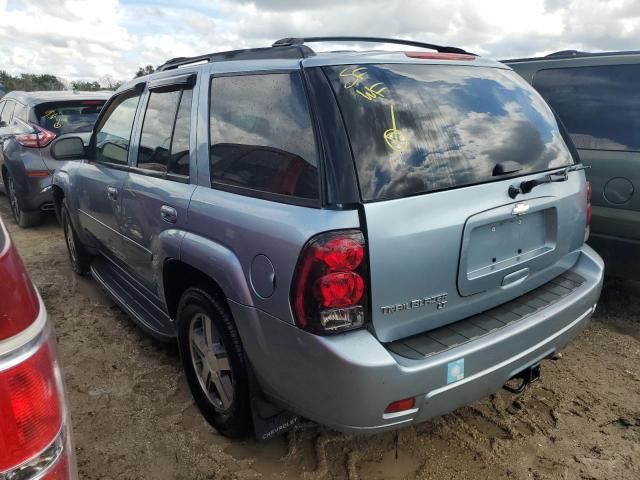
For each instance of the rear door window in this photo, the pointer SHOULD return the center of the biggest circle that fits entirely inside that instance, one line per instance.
(164, 142)
(261, 136)
(422, 128)
(7, 112)
(113, 133)
(69, 117)
(600, 106)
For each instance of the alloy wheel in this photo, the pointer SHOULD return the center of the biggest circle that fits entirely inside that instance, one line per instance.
(13, 200)
(211, 362)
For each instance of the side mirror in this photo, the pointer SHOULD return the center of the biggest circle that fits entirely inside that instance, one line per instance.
(68, 148)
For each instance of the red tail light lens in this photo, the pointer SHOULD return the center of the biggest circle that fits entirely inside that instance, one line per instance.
(40, 139)
(19, 304)
(31, 413)
(589, 195)
(329, 293)
(400, 405)
(589, 211)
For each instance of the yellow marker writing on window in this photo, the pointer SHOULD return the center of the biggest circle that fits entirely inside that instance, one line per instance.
(393, 137)
(372, 92)
(353, 76)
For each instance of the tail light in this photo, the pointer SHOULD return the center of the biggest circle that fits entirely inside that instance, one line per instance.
(19, 304)
(39, 139)
(330, 285)
(35, 440)
(589, 211)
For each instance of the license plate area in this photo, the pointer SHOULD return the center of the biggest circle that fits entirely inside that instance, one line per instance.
(497, 243)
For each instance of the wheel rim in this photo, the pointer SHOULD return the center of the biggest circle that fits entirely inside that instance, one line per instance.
(13, 200)
(211, 362)
(68, 236)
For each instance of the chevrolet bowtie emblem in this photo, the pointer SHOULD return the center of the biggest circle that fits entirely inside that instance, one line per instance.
(520, 209)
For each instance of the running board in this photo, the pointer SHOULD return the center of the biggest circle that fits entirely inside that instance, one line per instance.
(126, 293)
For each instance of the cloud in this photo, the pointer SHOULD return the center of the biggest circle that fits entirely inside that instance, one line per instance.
(87, 39)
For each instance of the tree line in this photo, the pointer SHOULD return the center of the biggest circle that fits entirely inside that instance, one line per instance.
(29, 82)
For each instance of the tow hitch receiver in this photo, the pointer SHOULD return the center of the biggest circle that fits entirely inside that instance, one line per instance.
(526, 378)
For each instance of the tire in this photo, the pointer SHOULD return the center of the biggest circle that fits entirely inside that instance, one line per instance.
(215, 366)
(78, 255)
(24, 218)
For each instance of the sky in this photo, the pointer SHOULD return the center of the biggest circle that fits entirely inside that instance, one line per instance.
(89, 39)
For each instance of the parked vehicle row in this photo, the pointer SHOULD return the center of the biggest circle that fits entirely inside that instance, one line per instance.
(366, 239)
(29, 122)
(596, 96)
(35, 431)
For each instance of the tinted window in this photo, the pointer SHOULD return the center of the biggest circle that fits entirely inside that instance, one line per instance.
(421, 128)
(114, 131)
(69, 117)
(164, 143)
(261, 135)
(600, 106)
(21, 112)
(155, 141)
(7, 111)
(179, 159)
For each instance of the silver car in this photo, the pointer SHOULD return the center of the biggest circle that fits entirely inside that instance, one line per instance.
(366, 239)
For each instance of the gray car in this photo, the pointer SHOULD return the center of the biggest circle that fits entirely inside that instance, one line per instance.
(597, 98)
(29, 122)
(366, 239)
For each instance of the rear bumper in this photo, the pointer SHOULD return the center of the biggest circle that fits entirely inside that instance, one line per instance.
(38, 194)
(346, 381)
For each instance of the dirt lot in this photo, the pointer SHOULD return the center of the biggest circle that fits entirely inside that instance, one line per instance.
(133, 416)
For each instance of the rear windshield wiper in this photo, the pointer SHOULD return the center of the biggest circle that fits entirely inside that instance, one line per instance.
(557, 176)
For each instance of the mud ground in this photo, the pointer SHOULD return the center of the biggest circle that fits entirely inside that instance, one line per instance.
(133, 416)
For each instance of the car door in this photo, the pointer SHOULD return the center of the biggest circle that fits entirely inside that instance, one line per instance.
(100, 182)
(156, 195)
(600, 106)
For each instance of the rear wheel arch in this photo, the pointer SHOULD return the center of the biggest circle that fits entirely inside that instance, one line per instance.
(58, 197)
(178, 276)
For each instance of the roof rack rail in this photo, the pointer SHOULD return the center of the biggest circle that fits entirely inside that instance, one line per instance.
(289, 42)
(268, 53)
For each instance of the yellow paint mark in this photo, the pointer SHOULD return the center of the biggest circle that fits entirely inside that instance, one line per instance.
(372, 92)
(393, 137)
(353, 76)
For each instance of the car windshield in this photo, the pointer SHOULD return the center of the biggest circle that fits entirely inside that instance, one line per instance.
(69, 117)
(422, 128)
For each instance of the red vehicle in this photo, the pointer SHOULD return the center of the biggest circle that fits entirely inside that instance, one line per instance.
(35, 431)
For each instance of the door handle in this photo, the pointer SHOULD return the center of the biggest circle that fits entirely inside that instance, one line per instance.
(168, 214)
(112, 193)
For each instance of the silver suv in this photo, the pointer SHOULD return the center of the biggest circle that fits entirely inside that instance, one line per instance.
(366, 239)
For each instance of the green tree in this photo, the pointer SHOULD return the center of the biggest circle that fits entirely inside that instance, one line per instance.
(146, 70)
(86, 86)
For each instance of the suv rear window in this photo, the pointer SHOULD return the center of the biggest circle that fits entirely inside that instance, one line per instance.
(600, 106)
(422, 128)
(69, 117)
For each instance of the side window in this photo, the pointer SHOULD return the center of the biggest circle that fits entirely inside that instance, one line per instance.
(261, 137)
(600, 106)
(164, 141)
(20, 112)
(113, 133)
(7, 112)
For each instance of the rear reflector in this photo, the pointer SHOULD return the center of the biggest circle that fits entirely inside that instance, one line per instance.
(440, 56)
(400, 405)
(31, 409)
(38, 173)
